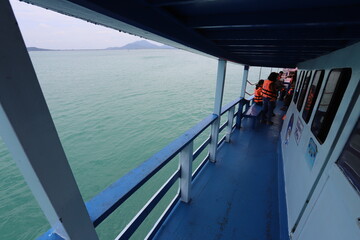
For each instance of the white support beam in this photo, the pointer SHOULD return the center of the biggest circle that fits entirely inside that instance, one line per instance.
(260, 73)
(230, 123)
(186, 159)
(219, 92)
(244, 81)
(28, 131)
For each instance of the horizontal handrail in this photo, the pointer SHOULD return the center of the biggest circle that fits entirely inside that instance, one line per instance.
(50, 235)
(223, 126)
(221, 140)
(144, 212)
(103, 204)
(243, 102)
(226, 108)
(201, 148)
(163, 217)
(235, 114)
(201, 165)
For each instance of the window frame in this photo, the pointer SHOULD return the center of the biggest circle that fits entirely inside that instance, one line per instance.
(325, 122)
(304, 89)
(348, 171)
(306, 114)
(298, 84)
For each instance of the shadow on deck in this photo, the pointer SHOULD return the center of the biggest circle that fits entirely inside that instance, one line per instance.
(237, 197)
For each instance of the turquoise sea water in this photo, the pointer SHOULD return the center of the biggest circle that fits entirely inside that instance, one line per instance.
(112, 111)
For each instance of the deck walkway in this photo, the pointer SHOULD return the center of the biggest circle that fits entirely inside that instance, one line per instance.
(237, 197)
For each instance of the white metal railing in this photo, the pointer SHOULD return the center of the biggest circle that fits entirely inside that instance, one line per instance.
(28, 130)
(106, 202)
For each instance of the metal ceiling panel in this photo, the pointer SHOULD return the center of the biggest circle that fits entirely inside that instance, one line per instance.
(253, 32)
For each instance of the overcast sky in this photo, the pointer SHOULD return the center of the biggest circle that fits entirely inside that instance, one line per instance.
(47, 29)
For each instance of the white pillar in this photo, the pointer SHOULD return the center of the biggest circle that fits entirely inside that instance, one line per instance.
(260, 73)
(28, 131)
(230, 123)
(186, 158)
(217, 109)
(244, 81)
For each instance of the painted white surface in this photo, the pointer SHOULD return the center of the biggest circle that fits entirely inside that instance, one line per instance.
(230, 123)
(219, 92)
(299, 175)
(185, 159)
(244, 81)
(27, 129)
(335, 205)
(336, 211)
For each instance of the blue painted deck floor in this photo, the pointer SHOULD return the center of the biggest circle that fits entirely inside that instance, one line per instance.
(237, 197)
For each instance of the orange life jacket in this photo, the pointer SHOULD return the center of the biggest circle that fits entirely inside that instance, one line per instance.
(258, 95)
(291, 91)
(267, 90)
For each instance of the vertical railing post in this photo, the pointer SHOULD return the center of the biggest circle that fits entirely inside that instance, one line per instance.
(217, 109)
(28, 131)
(230, 123)
(239, 114)
(244, 81)
(185, 162)
(242, 95)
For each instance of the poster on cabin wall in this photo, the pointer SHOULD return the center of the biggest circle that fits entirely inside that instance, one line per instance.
(311, 153)
(298, 130)
(289, 129)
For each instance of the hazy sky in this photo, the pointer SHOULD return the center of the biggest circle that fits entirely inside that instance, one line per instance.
(47, 29)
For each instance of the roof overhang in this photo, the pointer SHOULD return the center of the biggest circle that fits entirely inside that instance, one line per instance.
(259, 33)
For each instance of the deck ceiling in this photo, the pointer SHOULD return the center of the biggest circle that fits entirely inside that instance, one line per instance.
(279, 33)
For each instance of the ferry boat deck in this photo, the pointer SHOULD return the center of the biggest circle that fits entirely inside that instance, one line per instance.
(241, 196)
(237, 197)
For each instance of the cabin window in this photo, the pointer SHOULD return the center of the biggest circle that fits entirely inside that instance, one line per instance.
(349, 160)
(313, 93)
(336, 84)
(296, 93)
(303, 90)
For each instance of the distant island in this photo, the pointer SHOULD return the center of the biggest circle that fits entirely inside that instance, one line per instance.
(38, 49)
(142, 44)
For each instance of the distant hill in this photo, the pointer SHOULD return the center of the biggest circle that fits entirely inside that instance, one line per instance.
(142, 44)
(37, 49)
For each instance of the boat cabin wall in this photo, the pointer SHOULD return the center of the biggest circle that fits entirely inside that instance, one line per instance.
(310, 155)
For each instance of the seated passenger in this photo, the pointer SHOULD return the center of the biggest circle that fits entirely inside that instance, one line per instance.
(258, 93)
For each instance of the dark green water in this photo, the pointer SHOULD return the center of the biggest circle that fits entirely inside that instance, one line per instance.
(113, 110)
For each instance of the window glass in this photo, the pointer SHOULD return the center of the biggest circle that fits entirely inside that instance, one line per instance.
(303, 90)
(313, 93)
(349, 160)
(296, 93)
(330, 100)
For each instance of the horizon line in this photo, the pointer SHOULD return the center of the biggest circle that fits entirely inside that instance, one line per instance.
(105, 48)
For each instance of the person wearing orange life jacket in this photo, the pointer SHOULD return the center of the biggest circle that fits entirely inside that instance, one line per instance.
(258, 93)
(269, 97)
